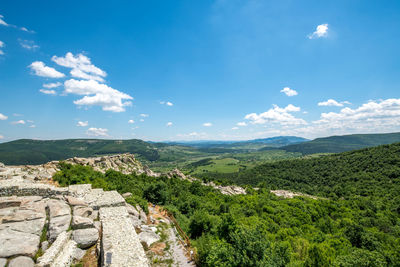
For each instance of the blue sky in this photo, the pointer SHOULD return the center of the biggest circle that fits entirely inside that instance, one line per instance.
(188, 70)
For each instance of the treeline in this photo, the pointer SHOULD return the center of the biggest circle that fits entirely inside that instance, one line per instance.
(260, 229)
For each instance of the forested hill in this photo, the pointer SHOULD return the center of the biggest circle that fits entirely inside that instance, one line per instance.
(337, 144)
(28, 151)
(368, 172)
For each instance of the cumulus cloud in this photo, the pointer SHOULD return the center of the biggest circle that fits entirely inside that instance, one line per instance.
(169, 124)
(18, 122)
(48, 92)
(207, 124)
(241, 124)
(81, 66)
(82, 123)
(321, 31)
(28, 44)
(278, 115)
(167, 103)
(3, 117)
(40, 69)
(289, 92)
(131, 121)
(332, 102)
(97, 132)
(96, 94)
(52, 85)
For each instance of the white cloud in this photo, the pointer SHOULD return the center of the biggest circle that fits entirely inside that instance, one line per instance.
(332, 102)
(131, 121)
(48, 92)
(1, 46)
(97, 132)
(169, 124)
(207, 124)
(82, 123)
(241, 124)
(166, 103)
(321, 31)
(144, 115)
(289, 92)
(96, 94)
(26, 30)
(28, 44)
(81, 66)
(2, 22)
(32, 126)
(3, 117)
(40, 69)
(52, 85)
(278, 115)
(235, 128)
(18, 122)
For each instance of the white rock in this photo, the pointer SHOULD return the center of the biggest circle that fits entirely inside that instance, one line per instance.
(85, 238)
(21, 261)
(18, 243)
(51, 253)
(79, 222)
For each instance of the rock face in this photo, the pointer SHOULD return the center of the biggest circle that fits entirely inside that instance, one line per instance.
(23, 218)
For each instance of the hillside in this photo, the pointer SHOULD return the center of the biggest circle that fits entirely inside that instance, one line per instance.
(337, 144)
(368, 172)
(27, 151)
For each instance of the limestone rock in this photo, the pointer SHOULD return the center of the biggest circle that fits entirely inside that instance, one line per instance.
(82, 211)
(85, 238)
(149, 237)
(58, 208)
(21, 261)
(18, 243)
(51, 253)
(131, 210)
(44, 245)
(73, 201)
(127, 194)
(3, 262)
(79, 222)
(58, 225)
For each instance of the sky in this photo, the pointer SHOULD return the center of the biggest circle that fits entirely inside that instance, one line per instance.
(198, 70)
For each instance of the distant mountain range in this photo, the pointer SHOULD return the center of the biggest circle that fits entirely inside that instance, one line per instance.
(27, 151)
(337, 144)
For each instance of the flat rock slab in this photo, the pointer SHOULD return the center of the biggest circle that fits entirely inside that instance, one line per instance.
(58, 225)
(15, 243)
(79, 222)
(120, 244)
(21, 261)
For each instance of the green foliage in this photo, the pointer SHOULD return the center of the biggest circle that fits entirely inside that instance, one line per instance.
(357, 224)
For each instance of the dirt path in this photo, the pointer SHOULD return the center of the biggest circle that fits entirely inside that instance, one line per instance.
(178, 252)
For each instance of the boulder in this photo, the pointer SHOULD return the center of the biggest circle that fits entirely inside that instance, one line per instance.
(132, 211)
(85, 238)
(79, 222)
(21, 261)
(149, 237)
